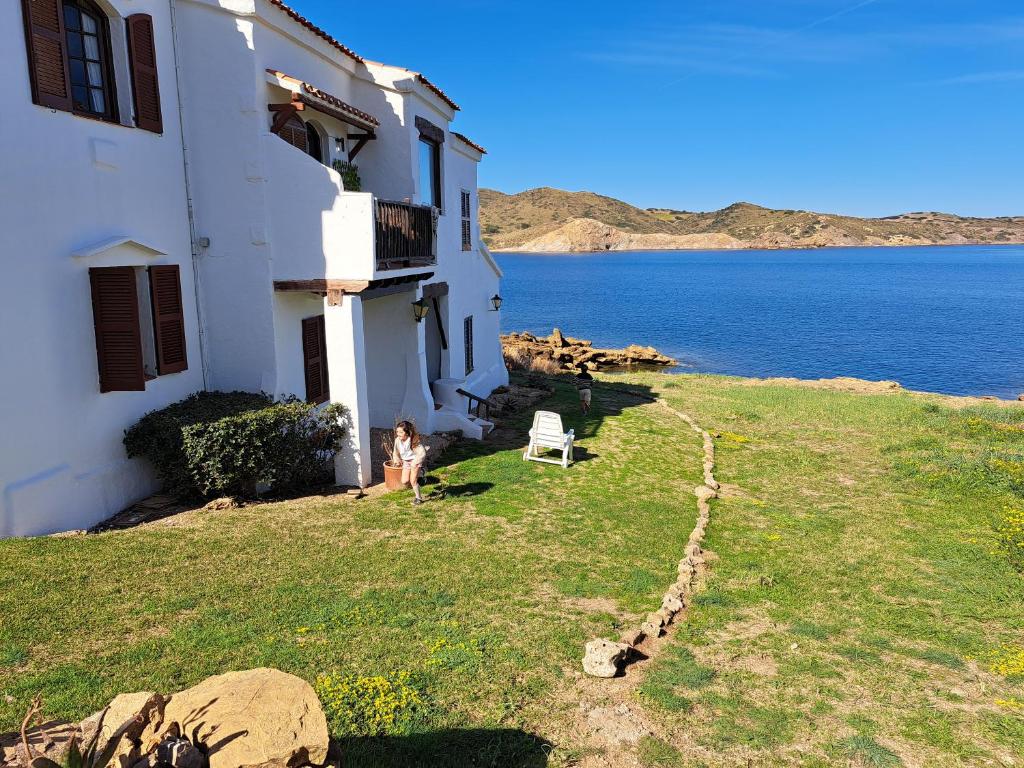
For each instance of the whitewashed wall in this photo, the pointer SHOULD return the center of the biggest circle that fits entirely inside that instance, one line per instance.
(68, 183)
(395, 362)
(290, 309)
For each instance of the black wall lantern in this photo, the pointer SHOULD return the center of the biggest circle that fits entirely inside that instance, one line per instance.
(420, 309)
(496, 302)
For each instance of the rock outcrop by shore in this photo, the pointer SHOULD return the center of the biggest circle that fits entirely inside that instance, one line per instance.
(560, 352)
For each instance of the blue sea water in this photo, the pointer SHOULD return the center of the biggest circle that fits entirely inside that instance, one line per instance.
(941, 319)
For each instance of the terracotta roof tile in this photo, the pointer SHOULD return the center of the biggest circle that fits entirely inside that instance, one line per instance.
(343, 106)
(440, 94)
(316, 30)
(295, 15)
(331, 99)
(471, 143)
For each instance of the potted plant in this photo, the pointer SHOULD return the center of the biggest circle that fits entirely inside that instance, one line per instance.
(392, 470)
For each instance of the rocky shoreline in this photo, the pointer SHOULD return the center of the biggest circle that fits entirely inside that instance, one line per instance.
(558, 352)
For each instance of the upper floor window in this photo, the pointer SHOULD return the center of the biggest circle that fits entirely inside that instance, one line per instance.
(431, 142)
(430, 172)
(70, 66)
(88, 51)
(467, 226)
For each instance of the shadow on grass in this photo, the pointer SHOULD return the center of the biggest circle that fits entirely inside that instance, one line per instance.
(609, 400)
(462, 489)
(456, 748)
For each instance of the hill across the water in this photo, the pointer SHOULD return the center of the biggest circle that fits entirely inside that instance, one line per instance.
(547, 219)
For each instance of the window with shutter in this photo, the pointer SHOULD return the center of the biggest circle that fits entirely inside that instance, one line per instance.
(47, 58)
(145, 83)
(168, 319)
(294, 132)
(467, 228)
(314, 358)
(115, 313)
(467, 334)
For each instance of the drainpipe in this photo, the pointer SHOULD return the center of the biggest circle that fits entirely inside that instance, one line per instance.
(204, 363)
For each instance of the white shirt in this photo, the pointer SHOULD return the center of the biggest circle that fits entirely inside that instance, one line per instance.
(405, 451)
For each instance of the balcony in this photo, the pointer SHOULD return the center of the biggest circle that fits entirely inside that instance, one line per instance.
(405, 235)
(319, 231)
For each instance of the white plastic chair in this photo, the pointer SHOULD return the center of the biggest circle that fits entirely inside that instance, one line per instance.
(547, 433)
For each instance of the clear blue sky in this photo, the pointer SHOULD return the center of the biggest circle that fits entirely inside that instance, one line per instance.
(863, 107)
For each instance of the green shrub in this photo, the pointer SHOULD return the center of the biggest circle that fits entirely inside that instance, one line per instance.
(238, 443)
(285, 446)
(349, 172)
(158, 436)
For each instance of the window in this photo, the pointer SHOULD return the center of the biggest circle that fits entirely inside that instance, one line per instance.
(430, 172)
(467, 227)
(294, 132)
(88, 51)
(138, 337)
(70, 63)
(314, 359)
(467, 335)
(314, 142)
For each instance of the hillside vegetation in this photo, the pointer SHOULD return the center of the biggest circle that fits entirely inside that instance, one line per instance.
(548, 219)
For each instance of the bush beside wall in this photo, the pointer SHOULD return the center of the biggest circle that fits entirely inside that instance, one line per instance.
(238, 443)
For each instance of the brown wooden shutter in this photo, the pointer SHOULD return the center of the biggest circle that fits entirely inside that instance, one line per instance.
(314, 359)
(294, 132)
(168, 319)
(145, 83)
(467, 227)
(47, 62)
(115, 314)
(467, 335)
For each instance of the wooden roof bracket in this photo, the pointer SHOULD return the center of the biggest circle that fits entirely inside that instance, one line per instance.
(284, 114)
(360, 140)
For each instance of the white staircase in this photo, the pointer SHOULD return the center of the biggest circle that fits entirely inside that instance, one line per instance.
(453, 413)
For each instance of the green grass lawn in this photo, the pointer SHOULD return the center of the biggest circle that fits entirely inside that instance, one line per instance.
(861, 607)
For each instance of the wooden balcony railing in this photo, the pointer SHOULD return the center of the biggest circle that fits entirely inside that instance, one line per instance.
(405, 235)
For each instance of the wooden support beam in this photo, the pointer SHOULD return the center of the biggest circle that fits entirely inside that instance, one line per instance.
(360, 143)
(284, 114)
(440, 323)
(435, 289)
(387, 290)
(321, 286)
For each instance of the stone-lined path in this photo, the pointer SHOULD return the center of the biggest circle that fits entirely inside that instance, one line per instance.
(605, 658)
(612, 725)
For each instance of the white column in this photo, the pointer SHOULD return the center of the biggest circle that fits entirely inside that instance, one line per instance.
(418, 402)
(346, 360)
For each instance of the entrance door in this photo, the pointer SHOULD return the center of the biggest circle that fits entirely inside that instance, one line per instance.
(436, 332)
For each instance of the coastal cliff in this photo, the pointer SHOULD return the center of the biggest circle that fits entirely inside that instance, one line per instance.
(553, 220)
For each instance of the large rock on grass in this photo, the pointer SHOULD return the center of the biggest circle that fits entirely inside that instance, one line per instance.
(260, 718)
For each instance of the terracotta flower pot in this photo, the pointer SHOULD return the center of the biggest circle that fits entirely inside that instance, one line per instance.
(393, 476)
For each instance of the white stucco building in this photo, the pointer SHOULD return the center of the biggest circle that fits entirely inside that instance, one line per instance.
(174, 219)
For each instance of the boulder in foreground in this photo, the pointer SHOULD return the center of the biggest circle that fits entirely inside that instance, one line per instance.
(258, 718)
